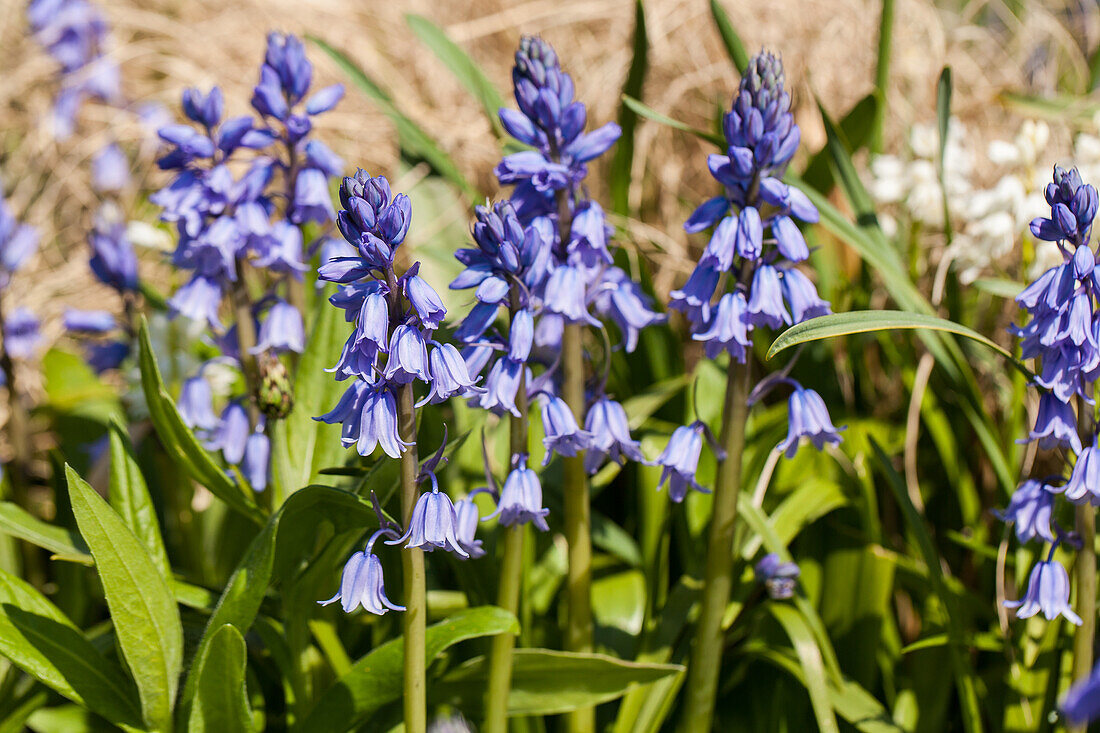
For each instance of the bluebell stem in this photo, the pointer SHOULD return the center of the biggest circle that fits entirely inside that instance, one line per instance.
(779, 578)
(745, 280)
(394, 319)
(1062, 333)
(74, 33)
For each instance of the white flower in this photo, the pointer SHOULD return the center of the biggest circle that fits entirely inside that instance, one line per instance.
(888, 182)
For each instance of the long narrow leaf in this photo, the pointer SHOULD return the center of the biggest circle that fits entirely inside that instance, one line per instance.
(620, 174)
(730, 39)
(646, 111)
(805, 646)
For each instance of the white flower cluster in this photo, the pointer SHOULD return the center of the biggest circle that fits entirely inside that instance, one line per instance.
(988, 223)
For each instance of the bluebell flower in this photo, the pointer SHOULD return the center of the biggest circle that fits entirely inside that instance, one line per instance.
(424, 300)
(433, 524)
(110, 170)
(408, 356)
(1030, 510)
(449, 375)
(607, 424)
(1048, 592)
(521, 499)
(1056, 424)
(281, 330)
(779, 578)
(22, 334)
(1084, 483)
(802, 296)
(501, 386)
(196, 403)
(369, 417)
(104, 355)
(765, 306)
(312, 201)
(361, 583)
(467, 517)
(680, 460)
(257, 457)
(230, 435)
(17, 243)
(808, 417)
(198, 300)
(694, 298)
(280, 250)
(562, 434)
(88, 321)
(565, 295)
(521, 336)
(728, 328)
(1081, 704)
(622, 301)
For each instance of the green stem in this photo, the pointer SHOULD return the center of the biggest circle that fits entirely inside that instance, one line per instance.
(511, 574)
(578, 520)
(882, 73)
(246, 340)
(1085, 570)
(412, 560)
(706, 654)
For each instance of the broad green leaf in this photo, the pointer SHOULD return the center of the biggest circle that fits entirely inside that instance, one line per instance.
(180, 442)
(247, 586)
(18, 522)
(308, 445)
(844, 324)
(73, 388)
(376, 679)
(129, 496)
(221, 703)
(805, 646)
(462, 66)
(45, 644)
(546, 682)
(646, 111)
(143, 610)
(618, 600)
(619, 174)
(734, 48)
(414, 140)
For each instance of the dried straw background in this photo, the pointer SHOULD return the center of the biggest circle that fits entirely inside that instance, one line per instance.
(829, 47)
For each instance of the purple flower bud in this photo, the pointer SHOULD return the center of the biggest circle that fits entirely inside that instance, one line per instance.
(476, 321)
(1030, 510)
(231, 433)
(521, 500)
(609, 428)
(90, 322)
(1047, 591)
(808, 417)
(196, 403)
(408, 359)
(324, 99)
(779, 578)
(282, 330)
(562, 434)
(708, 212)
(467, 517)
(720, 248)
(433, 524)
(21, 333)
(110, 170)
(257, 457)
(680, 460)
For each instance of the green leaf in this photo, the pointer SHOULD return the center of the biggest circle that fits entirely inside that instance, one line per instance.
(45, 644)
(646, 111)
(462, 66)
(129, 495)
(943, 110)
(376, 679)
(843, 324)
(17, 522)
(1001, 287)
(414, 140)
(73, 388)
(308, 445)
(221, 703)
(1060, 108)
(143, 610)
(180, 443)
(882, 72)
(619, 175)
(546, 682)
(805, 646)
(848, 178)
(730, 39)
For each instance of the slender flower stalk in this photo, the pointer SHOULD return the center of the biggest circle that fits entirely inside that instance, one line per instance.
(754, 249)
(414, 701)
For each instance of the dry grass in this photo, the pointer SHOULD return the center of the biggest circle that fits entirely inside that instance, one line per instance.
(829, 47)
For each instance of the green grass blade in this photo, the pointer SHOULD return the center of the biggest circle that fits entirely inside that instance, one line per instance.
(882, 72)
(730, 39)
(619, 176)
(646, 111)
(805, 646)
